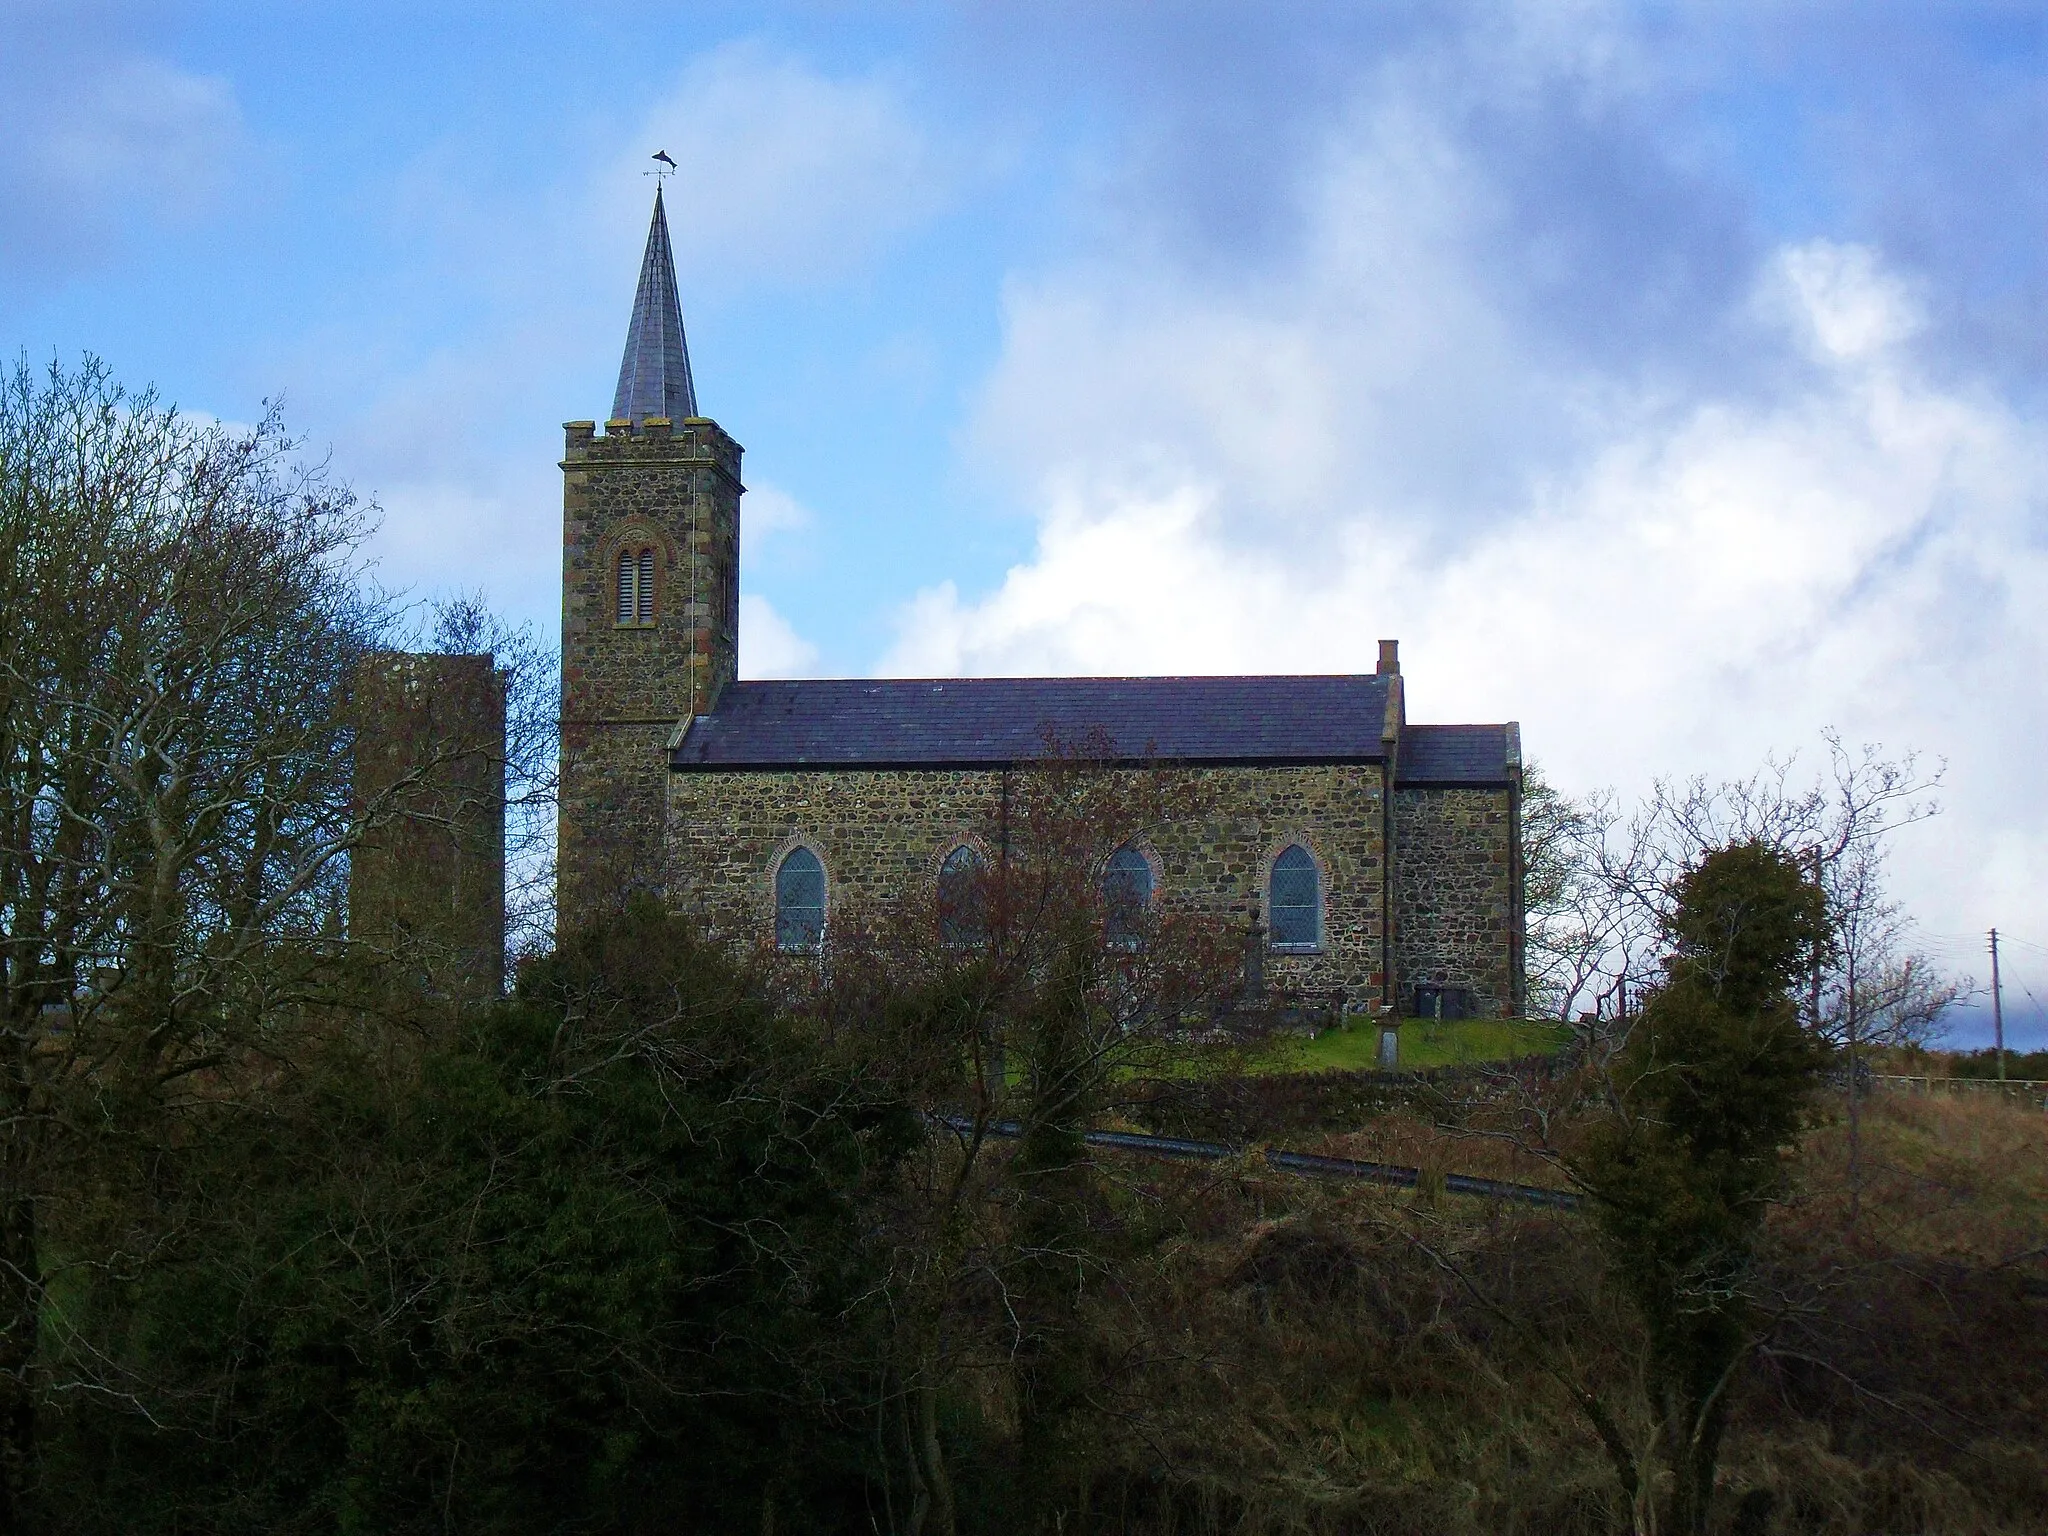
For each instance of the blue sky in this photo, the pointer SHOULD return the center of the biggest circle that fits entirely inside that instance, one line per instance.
(1668, 377)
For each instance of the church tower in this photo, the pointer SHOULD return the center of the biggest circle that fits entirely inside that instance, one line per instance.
(650, 596)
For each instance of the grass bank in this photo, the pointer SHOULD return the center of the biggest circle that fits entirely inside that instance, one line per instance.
(1424, 1043)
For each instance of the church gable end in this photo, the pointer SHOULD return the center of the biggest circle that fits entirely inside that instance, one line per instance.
(1458, 871)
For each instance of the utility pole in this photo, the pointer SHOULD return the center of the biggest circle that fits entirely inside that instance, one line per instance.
(1813, 979)
(1997, 1008)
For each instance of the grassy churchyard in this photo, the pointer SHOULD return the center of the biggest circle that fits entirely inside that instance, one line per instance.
(1424, 1043)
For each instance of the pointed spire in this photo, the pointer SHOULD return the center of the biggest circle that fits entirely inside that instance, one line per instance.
(654, 377)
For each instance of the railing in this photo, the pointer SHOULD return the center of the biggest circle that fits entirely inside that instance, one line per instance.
(2026, 1090)
(1395, 1174)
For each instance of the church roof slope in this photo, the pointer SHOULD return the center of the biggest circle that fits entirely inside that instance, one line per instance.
(654, 375)
(1457, 754)
(992, 721)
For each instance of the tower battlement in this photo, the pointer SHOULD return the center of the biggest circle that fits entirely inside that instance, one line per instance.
(655, 440)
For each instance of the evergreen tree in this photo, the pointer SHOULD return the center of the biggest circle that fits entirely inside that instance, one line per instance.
(598, 1264)
(1713, 1088)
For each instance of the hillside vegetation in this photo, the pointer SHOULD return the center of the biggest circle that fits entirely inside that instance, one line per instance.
(573, 1270)
(306, 1228)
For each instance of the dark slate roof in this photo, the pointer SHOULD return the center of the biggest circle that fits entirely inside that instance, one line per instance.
(1457, 754)
(963, 722)
(654, 375)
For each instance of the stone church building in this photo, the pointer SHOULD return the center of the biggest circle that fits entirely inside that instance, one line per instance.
(1380, 859)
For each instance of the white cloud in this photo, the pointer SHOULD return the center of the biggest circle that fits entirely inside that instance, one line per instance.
(1657, 574)
(785, 172)
(475, 529)
(769, 647)
(769, 513)
(87, 138)
(1849, 304)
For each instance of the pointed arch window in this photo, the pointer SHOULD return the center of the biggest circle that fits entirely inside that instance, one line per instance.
(1126, 897)
(963, 899)
(1294, 904)
(635, 587)
(800, 902)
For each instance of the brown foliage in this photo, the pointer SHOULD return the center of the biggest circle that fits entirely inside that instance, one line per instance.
(1280, 1355)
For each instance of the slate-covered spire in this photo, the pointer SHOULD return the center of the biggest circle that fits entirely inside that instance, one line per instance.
(654, 377)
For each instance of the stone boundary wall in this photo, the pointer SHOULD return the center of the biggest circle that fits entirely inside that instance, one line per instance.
(882, 832)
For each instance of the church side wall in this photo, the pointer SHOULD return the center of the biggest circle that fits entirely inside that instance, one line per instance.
(1455, 913)
(882, 833)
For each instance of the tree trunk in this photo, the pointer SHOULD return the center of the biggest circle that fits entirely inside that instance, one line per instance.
(935, 1475)
(920, 1490)
(21, 1292)
(1855, 1109)
(1693, 1440)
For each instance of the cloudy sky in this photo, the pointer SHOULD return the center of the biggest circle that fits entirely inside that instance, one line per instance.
(1671, 378)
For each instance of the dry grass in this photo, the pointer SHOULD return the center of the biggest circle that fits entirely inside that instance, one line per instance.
(1285, 1355)
(1964, 1178)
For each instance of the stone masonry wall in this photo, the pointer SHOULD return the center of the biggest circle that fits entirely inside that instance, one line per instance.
(676, 489)
(1455, 913)
(881, 833)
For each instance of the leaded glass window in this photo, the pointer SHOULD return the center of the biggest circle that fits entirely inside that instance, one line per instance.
(1126, 896)
(800, 901)
(963, 899)
(1294, 907)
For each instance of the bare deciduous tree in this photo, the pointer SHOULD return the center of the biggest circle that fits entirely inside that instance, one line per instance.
(1020, 993)
(1599, 878)
(182, 615)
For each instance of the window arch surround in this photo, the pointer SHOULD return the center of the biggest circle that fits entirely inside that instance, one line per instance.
(801, 899)
(635, 561)
(1297, 890)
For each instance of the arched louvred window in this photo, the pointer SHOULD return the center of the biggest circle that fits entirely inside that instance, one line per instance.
(635, 587)
(1294, 906)
(1126, 897)
(963, 899)
(629, 587)
(800, 902)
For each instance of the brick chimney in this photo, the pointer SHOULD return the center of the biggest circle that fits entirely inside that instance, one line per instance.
(1390, 658)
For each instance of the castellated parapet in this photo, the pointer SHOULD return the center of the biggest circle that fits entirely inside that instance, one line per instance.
(645, 645)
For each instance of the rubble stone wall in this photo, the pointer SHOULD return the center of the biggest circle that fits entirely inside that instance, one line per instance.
(675, 489)
(881, 834)
(1457, 919)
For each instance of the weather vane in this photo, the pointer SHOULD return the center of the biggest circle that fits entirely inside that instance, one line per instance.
(658, 173)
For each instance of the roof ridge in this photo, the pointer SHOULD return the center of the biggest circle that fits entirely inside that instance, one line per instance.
(1132, 677)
